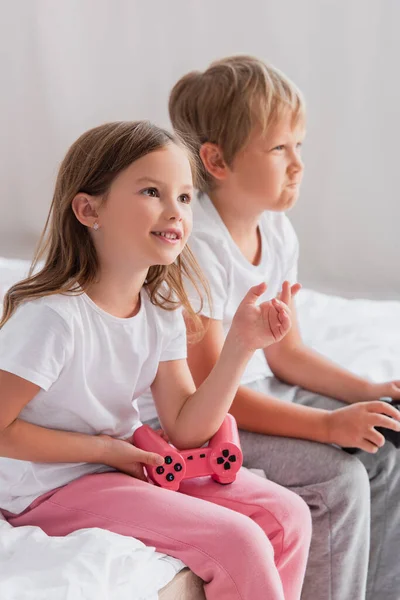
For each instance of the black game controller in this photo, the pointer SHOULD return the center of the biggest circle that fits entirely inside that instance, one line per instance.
(389, 434)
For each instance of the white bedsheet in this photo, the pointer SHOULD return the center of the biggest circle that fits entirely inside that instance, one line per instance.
(87, 564)
(361, 335)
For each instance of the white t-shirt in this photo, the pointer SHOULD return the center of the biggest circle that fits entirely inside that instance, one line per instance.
(91, 368)
(231, 275)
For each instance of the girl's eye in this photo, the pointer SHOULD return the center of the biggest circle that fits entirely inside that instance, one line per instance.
(152, 192)
(185, 198)
(299, 146)
(281, 147)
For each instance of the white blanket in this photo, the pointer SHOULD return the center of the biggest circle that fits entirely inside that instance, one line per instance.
(361, 335)
(87, 564)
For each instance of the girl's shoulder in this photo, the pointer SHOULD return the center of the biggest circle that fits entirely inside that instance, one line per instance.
(53, 312)
(158, 315)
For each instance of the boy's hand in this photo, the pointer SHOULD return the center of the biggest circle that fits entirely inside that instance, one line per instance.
(123, 456)
(259, 326)
(388, 389)
(354, 426)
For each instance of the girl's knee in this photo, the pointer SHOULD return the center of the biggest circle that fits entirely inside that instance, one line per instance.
(296, 520)
(240, 550)
(243, 539)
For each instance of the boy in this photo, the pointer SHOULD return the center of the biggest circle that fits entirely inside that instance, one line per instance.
(246, 121)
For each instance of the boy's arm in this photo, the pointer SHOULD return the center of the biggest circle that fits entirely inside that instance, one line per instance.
(351, 426)
(293, 362)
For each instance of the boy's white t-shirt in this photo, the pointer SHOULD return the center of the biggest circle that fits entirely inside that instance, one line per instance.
(231, 275)
(91, 368)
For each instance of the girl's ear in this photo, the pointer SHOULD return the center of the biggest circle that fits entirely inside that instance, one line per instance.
(213, 160)
(85, 210)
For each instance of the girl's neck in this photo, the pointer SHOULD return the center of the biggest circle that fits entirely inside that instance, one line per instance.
(117, 292)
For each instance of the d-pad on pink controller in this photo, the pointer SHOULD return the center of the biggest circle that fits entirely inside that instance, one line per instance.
(221, 459)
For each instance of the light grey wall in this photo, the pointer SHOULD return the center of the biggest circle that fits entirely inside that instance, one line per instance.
(67, 65)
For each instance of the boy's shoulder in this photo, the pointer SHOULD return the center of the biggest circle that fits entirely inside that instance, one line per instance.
(208, 228)
(277, 228)
(277, 221)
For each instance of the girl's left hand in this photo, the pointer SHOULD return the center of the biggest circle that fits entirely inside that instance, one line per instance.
(259, 326)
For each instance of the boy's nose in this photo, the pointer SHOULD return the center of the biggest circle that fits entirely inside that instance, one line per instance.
(297, 164)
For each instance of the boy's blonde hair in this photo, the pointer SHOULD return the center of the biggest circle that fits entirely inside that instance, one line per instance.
(224, 103)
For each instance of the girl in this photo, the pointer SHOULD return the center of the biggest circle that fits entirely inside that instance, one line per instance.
(85, 336)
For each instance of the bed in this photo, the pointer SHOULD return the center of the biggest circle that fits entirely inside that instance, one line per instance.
(361, 335)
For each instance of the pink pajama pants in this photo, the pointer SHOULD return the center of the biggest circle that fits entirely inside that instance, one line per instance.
(248, 540)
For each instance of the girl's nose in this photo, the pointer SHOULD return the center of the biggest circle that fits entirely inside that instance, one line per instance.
(174, 211)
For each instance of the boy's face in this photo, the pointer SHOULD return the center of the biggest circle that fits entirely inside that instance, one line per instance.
(268, 170)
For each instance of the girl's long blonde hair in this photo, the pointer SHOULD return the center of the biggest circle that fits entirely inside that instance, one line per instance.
(70, 259)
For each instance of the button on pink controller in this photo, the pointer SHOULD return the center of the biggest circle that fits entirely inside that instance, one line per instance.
(221, 459)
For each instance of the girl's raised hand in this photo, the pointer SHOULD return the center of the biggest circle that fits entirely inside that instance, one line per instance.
(259, 326)
(288, 292)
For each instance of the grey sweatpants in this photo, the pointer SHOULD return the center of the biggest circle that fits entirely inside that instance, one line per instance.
(354, 502)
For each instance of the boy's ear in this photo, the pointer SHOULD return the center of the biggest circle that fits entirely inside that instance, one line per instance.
(213, 160)
(85, 209)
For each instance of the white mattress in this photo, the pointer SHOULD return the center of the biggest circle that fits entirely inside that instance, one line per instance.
(361, 335)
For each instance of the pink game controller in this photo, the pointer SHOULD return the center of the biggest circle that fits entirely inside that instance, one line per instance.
(221, 459)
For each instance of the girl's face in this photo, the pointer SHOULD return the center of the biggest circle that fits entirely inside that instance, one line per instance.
(146, 218)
